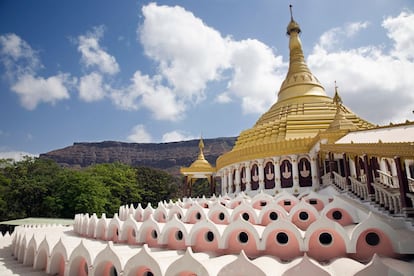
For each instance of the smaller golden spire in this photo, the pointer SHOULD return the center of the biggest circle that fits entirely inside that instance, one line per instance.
(337, 99)
(201, 147)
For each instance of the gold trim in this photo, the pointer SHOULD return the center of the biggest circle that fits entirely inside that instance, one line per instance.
(390, 150)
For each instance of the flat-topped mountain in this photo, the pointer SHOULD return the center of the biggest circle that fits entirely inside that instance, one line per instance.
(166, 156)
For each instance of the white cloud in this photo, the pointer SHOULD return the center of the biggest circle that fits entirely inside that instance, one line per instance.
(21, 64)
(17, 56)
(91, 87)
(139, 135)
(353, 28)
(335, 36)
(93, 55)
(369, 76)
(149, 93)
(401, 30)
(16, 155)
(176, 136)
(256, 74)
(189, 54)
(223, 98)
(33, 90)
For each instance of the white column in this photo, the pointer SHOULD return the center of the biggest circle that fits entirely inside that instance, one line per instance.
(237, 180)
(261, 174)
(276, 164)
(352, 168)
(248, 176)
(295, 171)
(407, 164)
(314, 171)
(230, 178)
(224, 182)
(394, 173)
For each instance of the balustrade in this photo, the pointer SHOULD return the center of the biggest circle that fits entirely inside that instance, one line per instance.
(340, 181)
(411, 184)
(388, 197)
(358, 188)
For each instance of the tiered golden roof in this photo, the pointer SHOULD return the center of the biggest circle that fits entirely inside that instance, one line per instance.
(201, 165)
(302, 110)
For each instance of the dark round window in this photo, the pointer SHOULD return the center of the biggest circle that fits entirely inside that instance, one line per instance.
(337, 215)
(273, 216)
(154, 234)
(179, 235)
(263, 203)
(221, 216)
(198, 216)
(303, 215)
(325, 238)
(282, 238)
(85, 268)
(179, 216)
(372, 239)
(243, 237)
(113, 272)
(148, 273)
(245, 216)
(209, 236)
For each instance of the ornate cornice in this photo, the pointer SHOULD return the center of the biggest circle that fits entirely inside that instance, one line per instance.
(404, 150)
(276, 148)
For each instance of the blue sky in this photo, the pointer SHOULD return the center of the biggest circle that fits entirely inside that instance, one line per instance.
(140, 71)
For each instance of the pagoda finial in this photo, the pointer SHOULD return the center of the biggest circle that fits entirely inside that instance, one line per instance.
(293, 25)
(201, 148)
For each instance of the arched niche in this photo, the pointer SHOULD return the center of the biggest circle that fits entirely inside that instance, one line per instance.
(305, 173)
(269, 175)
(286, 179)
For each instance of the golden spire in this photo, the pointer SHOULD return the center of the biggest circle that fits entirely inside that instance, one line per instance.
(337, 99)
(340, 122)
(201, 148)
(299, 73)
(199, 165)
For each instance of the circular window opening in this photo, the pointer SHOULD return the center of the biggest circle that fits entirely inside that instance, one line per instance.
(179, 216)
(243, 237)
(85, 268)
(273, 216)
(198, 216)
(209, 236)
(325, 238)
(337, 215)
(303, 215)
(179, 235)
(372, 239)
(282, 238)
(113, 272)
(245, 216)
(263, 203)
(148, 273)
(221, 216)
(154, 234)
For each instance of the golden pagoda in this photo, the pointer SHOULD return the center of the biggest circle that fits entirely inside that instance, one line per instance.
(199, 169)
(287, 131)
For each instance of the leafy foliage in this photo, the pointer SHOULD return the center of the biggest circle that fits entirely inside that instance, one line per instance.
(36, 187)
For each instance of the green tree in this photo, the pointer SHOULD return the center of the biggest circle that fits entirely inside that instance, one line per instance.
(121, 181)
(156, 185)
